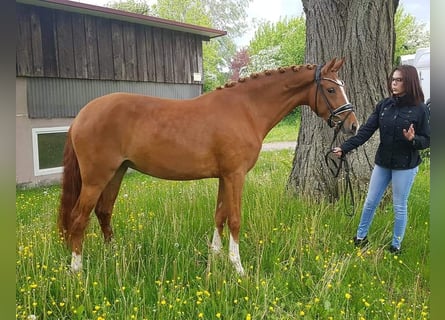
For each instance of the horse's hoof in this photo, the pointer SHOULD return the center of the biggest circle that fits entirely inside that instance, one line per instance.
(76, 263)
(240, 270)
(215, 249)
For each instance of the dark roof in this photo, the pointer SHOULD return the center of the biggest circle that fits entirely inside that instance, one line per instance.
(109, 13)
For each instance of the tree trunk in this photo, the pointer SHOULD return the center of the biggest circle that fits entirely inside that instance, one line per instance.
(363, 32)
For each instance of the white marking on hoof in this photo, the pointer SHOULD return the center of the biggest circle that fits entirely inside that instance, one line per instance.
(216, 242)
(76, 262)
(234, 256)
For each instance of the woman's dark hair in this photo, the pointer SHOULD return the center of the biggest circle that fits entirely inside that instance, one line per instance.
(410, 81)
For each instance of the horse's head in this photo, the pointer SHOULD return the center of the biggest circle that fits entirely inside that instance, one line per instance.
(331, 102)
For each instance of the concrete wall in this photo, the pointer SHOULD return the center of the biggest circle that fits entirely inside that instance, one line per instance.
(23, 133)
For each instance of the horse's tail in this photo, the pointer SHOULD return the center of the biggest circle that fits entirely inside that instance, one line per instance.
(71, 185)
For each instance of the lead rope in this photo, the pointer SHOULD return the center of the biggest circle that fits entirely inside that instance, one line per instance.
(344, 164)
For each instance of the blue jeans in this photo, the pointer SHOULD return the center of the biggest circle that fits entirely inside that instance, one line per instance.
(402, 181)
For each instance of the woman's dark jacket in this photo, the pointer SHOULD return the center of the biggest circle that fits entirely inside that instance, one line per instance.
(391, 116)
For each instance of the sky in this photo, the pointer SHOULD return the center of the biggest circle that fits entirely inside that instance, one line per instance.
(274, 10)
(420, 9)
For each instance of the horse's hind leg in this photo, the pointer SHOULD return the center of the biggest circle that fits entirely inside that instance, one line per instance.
(104, 206)
(80, 216)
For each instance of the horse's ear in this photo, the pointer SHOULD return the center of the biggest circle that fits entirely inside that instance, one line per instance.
(328, 66)
(337, 64)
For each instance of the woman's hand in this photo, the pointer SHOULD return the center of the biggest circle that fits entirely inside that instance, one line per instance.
(337, 151)
(410, 133)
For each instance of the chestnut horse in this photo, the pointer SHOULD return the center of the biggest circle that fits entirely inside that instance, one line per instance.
(215, 135)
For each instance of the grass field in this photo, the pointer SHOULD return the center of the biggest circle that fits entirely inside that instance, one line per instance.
(286, 130)
(299, 259)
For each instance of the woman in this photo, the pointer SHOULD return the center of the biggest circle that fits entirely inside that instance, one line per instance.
(403, 124)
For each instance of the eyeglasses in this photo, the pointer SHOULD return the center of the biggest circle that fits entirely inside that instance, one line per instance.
(397, 79)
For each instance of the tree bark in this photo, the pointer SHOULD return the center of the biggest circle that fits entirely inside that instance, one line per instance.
(363, 32)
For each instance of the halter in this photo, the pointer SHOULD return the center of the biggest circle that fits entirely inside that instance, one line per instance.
(334, 112)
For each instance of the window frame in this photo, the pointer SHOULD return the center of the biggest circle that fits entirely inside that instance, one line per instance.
(35, 149)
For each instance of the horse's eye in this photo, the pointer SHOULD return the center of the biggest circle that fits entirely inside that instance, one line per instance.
(331, 90)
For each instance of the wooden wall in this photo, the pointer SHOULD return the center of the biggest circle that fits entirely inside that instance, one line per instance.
(55, 43)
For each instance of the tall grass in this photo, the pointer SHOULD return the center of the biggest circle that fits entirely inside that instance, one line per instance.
(298, 256)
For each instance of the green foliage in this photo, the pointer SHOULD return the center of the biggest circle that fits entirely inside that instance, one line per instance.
(297, 253)
(288, 34)
(410, 35)
(212, 64)
(277, 44)
(135, 6)
(189, 11)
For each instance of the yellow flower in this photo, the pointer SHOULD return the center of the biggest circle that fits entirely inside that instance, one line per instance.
(248, 316)
(302, 313)
(348, 296)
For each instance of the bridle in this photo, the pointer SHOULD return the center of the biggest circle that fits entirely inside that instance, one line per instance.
(333, 112)
(338, 124)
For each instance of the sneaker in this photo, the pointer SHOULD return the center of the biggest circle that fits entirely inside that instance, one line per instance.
(360, 242)
(394, 250)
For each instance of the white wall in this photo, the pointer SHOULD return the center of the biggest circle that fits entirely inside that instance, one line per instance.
(421, 60)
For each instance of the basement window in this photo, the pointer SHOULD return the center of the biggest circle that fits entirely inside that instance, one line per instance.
(47, 146)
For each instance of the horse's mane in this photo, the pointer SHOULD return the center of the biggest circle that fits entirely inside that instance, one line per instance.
(265, 73)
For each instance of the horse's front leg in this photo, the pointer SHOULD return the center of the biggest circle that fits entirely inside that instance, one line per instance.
(231, 195)
(220, 219)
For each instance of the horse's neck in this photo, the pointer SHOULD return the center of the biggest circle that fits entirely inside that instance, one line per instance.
(271, 101)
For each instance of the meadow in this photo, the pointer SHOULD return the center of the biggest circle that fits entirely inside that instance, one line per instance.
(298, 255)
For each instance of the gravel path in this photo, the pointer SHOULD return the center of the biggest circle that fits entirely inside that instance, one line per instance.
(278, 145)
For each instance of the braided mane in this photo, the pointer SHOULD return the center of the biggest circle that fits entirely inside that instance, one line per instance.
(257, 75)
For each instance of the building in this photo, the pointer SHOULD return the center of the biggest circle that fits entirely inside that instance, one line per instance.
(68, 53)
(420, 60)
